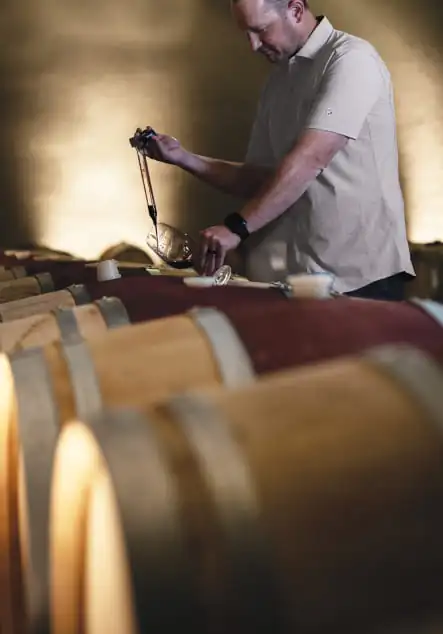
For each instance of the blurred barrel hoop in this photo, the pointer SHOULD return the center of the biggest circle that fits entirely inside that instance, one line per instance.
(341, 483)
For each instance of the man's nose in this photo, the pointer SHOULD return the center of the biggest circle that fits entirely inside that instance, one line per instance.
(254, 41)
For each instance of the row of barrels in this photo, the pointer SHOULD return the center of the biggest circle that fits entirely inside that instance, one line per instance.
(217, 459)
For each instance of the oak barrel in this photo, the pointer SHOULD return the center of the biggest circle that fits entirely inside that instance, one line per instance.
(144, 363)
(11, 290)
(308, 502)
(47, 280)
(289, 331)
(85, 321)
(152, 297)
(75, 294)
(145, 297)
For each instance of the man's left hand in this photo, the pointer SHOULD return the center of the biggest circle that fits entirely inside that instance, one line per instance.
(215, 243)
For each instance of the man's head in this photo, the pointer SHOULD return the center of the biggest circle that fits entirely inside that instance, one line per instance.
(275, 28)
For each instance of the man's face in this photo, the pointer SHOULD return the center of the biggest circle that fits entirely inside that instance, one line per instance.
(273, 31)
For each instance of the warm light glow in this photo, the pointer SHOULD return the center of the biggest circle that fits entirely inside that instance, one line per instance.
(8, 488)
(86, 191)
(416, 72)
(98, 198)
(77, 461)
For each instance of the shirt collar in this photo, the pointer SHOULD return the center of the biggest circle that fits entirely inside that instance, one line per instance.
(318, 38)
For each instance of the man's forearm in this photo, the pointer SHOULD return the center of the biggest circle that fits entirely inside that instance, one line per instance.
(237, 179)
(291, 179)
(277, 194)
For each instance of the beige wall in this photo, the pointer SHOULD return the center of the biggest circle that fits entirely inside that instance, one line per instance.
(76, 79)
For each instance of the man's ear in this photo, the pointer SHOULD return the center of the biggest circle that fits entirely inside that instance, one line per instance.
(297, 9)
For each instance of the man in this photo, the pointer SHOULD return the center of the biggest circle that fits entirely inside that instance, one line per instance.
(320, 177)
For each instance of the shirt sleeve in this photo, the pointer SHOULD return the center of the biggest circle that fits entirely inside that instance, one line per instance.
(350, 87)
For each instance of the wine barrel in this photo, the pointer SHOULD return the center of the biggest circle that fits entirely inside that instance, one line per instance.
(307, 502)
(76, 294)
(62, 323)
(144, 363)
(61, 273)
(11, 273)
(180, 353)
(56, 278)
(25, 287)
(289, 332)
(126, 252)
(145, 297)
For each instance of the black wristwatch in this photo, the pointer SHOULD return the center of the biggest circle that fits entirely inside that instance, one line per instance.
(238, 225)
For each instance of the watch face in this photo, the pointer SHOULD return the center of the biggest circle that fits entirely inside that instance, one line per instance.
(222, 275)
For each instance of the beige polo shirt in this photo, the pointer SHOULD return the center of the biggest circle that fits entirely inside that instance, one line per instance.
(351, 219)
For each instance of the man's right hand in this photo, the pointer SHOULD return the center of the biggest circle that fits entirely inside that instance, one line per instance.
(165, 149)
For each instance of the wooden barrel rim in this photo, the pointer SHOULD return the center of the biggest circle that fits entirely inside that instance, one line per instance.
(416, 372)
(234, 497)
(124, 435)
(233, 360)
(38, 422)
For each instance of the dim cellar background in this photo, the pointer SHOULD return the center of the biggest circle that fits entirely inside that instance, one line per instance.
(78, 78)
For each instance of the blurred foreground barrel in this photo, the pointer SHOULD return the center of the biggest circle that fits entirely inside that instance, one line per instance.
(308, 502)
(63, 323)
(142, 364)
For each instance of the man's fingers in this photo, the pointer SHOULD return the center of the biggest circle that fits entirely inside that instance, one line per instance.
(219, 258)
(203, 252)
(209, 252)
